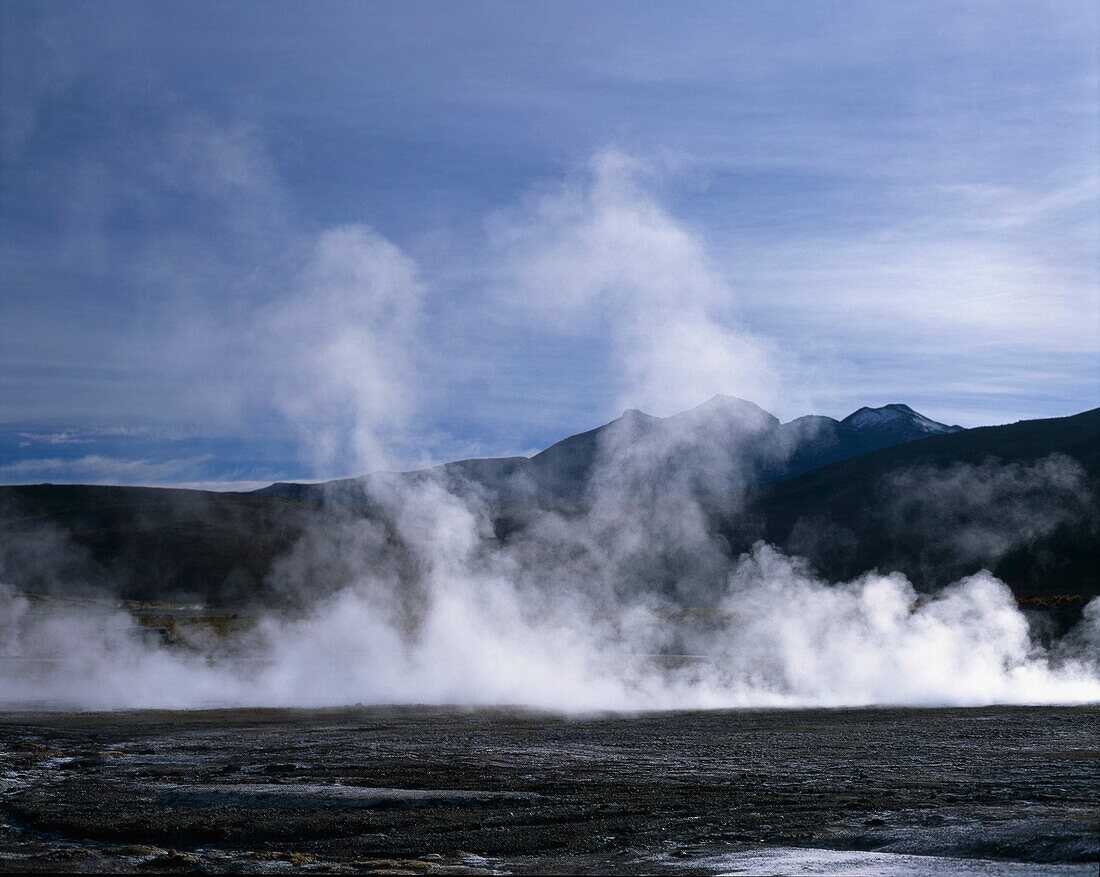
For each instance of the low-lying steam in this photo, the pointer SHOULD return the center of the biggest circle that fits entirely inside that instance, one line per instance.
(486, 625)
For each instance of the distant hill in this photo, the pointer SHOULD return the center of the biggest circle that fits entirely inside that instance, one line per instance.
(1034, 518)
(883, 488)
(144, 543)
(725, 434)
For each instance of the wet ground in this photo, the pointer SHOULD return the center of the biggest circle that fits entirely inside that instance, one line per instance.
(428, 790)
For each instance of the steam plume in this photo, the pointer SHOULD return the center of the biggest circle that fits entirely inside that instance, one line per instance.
(624, 597)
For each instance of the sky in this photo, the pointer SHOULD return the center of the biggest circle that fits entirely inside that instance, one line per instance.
(246, 242)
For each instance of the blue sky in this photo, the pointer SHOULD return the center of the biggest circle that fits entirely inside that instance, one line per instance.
(246, 241)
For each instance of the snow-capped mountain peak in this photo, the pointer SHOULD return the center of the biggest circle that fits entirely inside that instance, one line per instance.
(894, 416)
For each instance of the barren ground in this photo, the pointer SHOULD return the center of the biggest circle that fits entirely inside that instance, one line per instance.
(425, 790)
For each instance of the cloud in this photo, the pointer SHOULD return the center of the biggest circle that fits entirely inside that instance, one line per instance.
(883, 206)
(967, 300)
(59, 437)
(99, 469)
(1015, 207)
(87, 436)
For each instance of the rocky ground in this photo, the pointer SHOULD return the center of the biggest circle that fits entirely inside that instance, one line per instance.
(427, 790)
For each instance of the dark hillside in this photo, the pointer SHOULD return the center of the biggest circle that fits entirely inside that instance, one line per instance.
(851, 516)
(143, 543)
(1018, 499)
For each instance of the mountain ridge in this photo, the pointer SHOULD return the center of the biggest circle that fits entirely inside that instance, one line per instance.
(810, 441)
(845, 517)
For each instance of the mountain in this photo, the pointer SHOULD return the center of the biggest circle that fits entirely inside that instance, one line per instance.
(725, 439)
(144, 543)
(824, 440)
(1020, 500)
(895, 420)
(884, 488)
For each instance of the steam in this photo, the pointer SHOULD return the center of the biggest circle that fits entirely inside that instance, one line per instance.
(599, 250)
(946, 509)
(621, 605)
(778, 637)
(623, 595)
(342, 348)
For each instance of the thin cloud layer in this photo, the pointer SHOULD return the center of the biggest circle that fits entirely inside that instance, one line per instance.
(100, 469)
